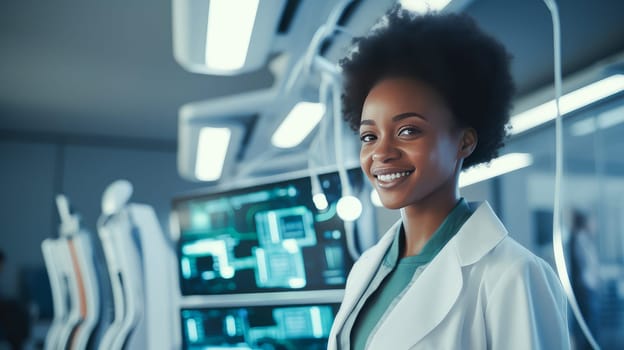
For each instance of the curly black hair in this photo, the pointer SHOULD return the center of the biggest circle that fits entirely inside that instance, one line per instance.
(467, 67)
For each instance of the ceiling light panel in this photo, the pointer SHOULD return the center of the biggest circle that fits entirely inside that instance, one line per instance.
(298, 124)
(228, 33)
(212, 148)
(211, 37)
(567, 103)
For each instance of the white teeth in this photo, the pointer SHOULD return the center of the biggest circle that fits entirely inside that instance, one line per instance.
(394, 176)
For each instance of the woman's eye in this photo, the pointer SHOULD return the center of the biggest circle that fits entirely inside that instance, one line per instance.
(409, 131)
(367, 138)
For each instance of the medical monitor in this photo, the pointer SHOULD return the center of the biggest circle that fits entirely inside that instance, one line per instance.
(264, 238)
(301, 327)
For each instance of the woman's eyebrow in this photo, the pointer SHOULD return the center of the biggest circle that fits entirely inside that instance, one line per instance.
(396, 118)
(402, 116)
(367, 122)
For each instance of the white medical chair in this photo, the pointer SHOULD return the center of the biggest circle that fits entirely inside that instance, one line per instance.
(74, 284)
(135, 250)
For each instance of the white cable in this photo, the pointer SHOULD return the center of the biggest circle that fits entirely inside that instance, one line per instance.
(337, 113)
(330, 75)
(315, 150)
(342, 172)
(317, 146)
(323, 128)
(301, 70)
(557, 211)
(303, 66)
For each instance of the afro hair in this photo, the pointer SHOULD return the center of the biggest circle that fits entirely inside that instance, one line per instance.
(449, 52)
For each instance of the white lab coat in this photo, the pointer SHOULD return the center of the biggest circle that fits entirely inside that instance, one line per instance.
(482, 291)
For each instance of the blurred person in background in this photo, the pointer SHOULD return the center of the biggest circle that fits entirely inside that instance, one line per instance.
(14, 322)
(585, 274)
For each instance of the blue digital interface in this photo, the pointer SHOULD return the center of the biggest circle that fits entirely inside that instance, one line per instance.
(264, 238)
(300, 327)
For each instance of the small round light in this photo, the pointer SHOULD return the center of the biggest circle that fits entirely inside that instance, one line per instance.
(320, 201)
(374, 196)
(349, 208)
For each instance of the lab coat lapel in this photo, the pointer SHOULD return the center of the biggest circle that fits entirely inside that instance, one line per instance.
(369, 263)
(480, 234)
(424, 305)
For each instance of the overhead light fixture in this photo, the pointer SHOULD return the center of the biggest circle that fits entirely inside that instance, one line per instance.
(212, 148)
(224, 37)
(207, 149)
(498, 166)
(298, 124)
(604, 120)
(422, 6)
(567, 103)
(230, 24)
(211, 133)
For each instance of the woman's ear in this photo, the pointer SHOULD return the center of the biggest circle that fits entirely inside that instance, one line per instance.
(468, 142)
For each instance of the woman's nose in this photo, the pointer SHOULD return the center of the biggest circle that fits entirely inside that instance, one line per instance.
(384, 152)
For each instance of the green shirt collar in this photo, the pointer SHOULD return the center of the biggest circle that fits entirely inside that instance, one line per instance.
(449, 227)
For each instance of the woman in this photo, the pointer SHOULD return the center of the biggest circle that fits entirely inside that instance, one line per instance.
(430, 95)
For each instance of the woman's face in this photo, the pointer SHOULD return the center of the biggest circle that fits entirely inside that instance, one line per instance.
(410, 147)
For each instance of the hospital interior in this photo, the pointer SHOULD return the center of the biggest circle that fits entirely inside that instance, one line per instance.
(159, 191)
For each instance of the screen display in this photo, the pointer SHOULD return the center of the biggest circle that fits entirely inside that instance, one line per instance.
(264, 238)
(300, 327)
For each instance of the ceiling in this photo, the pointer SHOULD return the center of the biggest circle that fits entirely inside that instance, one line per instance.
(104, 70)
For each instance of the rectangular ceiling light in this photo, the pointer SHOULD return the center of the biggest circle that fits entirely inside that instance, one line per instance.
(422, 6)
(228, 33)
(212, 147)
(299, 122)
(498, 166)
(567, 103)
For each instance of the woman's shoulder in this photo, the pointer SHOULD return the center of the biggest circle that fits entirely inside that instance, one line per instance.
(503, 251)
(511, 259)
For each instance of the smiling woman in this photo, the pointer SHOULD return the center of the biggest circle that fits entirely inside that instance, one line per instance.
(417, 149)
(430, 95)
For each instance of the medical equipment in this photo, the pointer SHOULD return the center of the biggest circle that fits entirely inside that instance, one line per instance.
(70, 262)
(138, 261)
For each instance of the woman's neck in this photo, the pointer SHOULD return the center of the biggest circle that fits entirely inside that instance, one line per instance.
(420, 221)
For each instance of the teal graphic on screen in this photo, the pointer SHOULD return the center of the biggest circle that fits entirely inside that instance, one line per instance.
(264, 238)
(300, 327)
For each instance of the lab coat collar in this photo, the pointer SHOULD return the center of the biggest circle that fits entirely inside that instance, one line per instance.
(431, 296)
(479, 234)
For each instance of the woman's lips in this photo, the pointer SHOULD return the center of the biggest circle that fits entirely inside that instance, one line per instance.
(391, 179)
